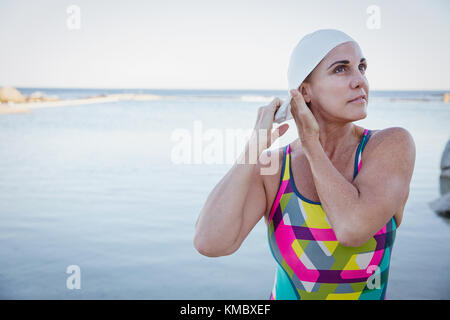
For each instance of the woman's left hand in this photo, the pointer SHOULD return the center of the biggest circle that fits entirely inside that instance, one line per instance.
(307, 126)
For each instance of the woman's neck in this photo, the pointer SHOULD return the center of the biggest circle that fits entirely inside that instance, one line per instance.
(337, 140)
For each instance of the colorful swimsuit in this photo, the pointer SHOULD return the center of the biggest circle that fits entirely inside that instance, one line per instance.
(311, 264)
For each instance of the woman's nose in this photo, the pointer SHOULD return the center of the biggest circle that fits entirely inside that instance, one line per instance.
(358, 79)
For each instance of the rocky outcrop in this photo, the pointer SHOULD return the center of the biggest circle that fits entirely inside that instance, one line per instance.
(446, 97)
(14, 102)
(38, 96)
(442, 205)
(445, 170)
(10, 94)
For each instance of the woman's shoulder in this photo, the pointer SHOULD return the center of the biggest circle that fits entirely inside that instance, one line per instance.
(393, 137)
(390, 131)
(395, 144)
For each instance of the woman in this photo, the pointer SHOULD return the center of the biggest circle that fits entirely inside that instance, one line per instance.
(331, 210)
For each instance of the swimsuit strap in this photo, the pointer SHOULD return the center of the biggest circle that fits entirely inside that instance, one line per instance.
(361, 146)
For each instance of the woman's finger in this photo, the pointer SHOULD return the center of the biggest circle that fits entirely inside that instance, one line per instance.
(299, 101)
(278, 132)
(307, 126)
(275, 103)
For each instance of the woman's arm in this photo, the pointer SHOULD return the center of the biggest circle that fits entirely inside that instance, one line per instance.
(220, 219)
(238, 201)
(358, 210)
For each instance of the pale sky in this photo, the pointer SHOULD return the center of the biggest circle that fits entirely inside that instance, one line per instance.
(201, 44)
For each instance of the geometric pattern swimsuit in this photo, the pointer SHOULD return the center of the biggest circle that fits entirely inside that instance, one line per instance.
(311, 264)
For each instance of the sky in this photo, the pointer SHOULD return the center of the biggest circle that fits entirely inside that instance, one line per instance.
(207, 44)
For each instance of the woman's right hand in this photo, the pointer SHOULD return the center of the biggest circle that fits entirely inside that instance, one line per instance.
(262, 134)
(238, 201)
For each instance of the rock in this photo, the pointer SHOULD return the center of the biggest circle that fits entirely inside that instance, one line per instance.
(38, 96)
(442, 205)
(445, 160)
(446, 97)
(35, 96)
(10, 94)
(445, 170)
(444, 182)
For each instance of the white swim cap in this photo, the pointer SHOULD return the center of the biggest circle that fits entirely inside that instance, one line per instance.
(308, 53)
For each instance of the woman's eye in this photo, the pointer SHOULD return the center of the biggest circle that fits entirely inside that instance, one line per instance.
(336, 70)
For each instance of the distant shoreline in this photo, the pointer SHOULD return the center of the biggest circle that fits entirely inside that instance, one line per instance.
(8, 108)
(166, 94)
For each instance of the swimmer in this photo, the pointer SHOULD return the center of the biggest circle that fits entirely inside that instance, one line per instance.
(334, 205)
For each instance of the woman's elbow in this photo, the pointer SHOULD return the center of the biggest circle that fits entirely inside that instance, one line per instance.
(350, 239)
(207, 250)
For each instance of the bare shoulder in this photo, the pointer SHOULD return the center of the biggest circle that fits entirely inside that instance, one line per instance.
(395, 145)
(394, 136)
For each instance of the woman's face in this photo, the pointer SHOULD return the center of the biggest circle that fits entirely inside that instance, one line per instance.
(337, 79)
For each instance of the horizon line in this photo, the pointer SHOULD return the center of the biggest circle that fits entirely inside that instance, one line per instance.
(186, 89)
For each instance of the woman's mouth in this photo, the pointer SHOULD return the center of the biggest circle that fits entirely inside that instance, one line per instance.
(358, 100)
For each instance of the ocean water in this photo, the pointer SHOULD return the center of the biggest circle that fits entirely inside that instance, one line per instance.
(97, 186)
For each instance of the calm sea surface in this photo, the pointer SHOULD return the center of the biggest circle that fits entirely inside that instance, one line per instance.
(96, 186)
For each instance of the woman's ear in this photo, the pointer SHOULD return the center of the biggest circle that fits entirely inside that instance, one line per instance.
(305, 91)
